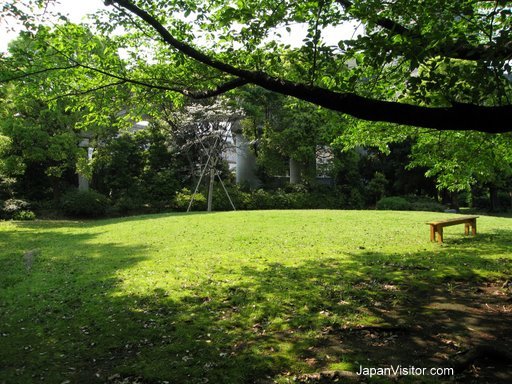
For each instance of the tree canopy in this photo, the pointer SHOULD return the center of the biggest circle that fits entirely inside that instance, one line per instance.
(205, 48)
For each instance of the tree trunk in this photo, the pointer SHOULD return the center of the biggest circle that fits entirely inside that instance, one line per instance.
(210, 190)
(493, 196)
(295, 171)
(455, 201)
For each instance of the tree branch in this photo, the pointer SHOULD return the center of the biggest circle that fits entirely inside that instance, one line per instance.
(86, 91)
(29, 74)
(456, 117)
(221, 89)
(193, 94)
(204, 94)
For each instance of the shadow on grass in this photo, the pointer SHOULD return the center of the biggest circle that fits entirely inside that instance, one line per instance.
(67, 318)
(92, 223)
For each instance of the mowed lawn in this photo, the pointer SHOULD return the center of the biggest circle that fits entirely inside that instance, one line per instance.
(235, 297)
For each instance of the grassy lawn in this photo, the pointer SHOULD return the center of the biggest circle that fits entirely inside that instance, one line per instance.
(237, 297)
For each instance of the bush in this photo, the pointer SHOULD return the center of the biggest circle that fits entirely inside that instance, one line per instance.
(376, 188)
(182, 200)
(394, 203)
(409, 203)
(11, 207)
(24, 215)
(126, 204)
(354, 200)
(241, 200)
(261, 199)
(84, 204)
(424, 203)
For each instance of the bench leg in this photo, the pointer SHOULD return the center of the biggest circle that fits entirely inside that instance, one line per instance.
(440, 235)
(466, 228)
(473, 227)
(432, 232)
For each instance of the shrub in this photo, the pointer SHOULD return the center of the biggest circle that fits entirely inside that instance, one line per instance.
(24, 215)
(262, 199)
(182, 200)
(127, 204)
(394, 203)
(12, 206)
(333, 200)
(376, 188)
(354, 200)
(424, 203)
(9, 208)
(84, 204)
(296, 188)
(241, 200)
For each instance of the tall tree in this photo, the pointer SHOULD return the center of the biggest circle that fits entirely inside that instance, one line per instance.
(47, 112)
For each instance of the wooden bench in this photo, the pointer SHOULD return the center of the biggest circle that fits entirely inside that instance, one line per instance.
(437, 226)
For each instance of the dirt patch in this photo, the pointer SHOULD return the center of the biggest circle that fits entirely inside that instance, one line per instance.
(458, 325)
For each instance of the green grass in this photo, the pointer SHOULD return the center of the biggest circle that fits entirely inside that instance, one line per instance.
(228, 297)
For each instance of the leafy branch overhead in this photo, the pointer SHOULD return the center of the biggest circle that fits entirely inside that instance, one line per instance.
(206, 48)
(482, 22)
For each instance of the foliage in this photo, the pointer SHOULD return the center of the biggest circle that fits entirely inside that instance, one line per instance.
(285, 128)
(403, 50)
(182, 200)
(451, 158)
(127, 204)
(138, 166)
(394, 203)
(50, 110)
(443, 65)
(294, 196)
(84, 204)
(376, 188)
(241, 200)
(13, 206)
(291, 197)
(409, 203)
(24, 215)
(423, 203)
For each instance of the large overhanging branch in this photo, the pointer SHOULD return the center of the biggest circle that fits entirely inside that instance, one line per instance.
(456, 117)
(456, 50)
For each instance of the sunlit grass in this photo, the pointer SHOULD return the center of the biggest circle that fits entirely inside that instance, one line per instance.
(228, 297)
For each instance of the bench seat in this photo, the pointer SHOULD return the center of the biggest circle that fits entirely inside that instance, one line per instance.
(436, 227)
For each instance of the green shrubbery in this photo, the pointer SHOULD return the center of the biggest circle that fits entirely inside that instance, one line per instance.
(84, 204)
(182, 200)
(127, 204)
(393, 203)
(409, 203)
(16, 209)
(423, 203)
(24, 215)
(286, 198)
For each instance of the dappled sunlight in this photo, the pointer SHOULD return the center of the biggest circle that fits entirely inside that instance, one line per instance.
(187, 297)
